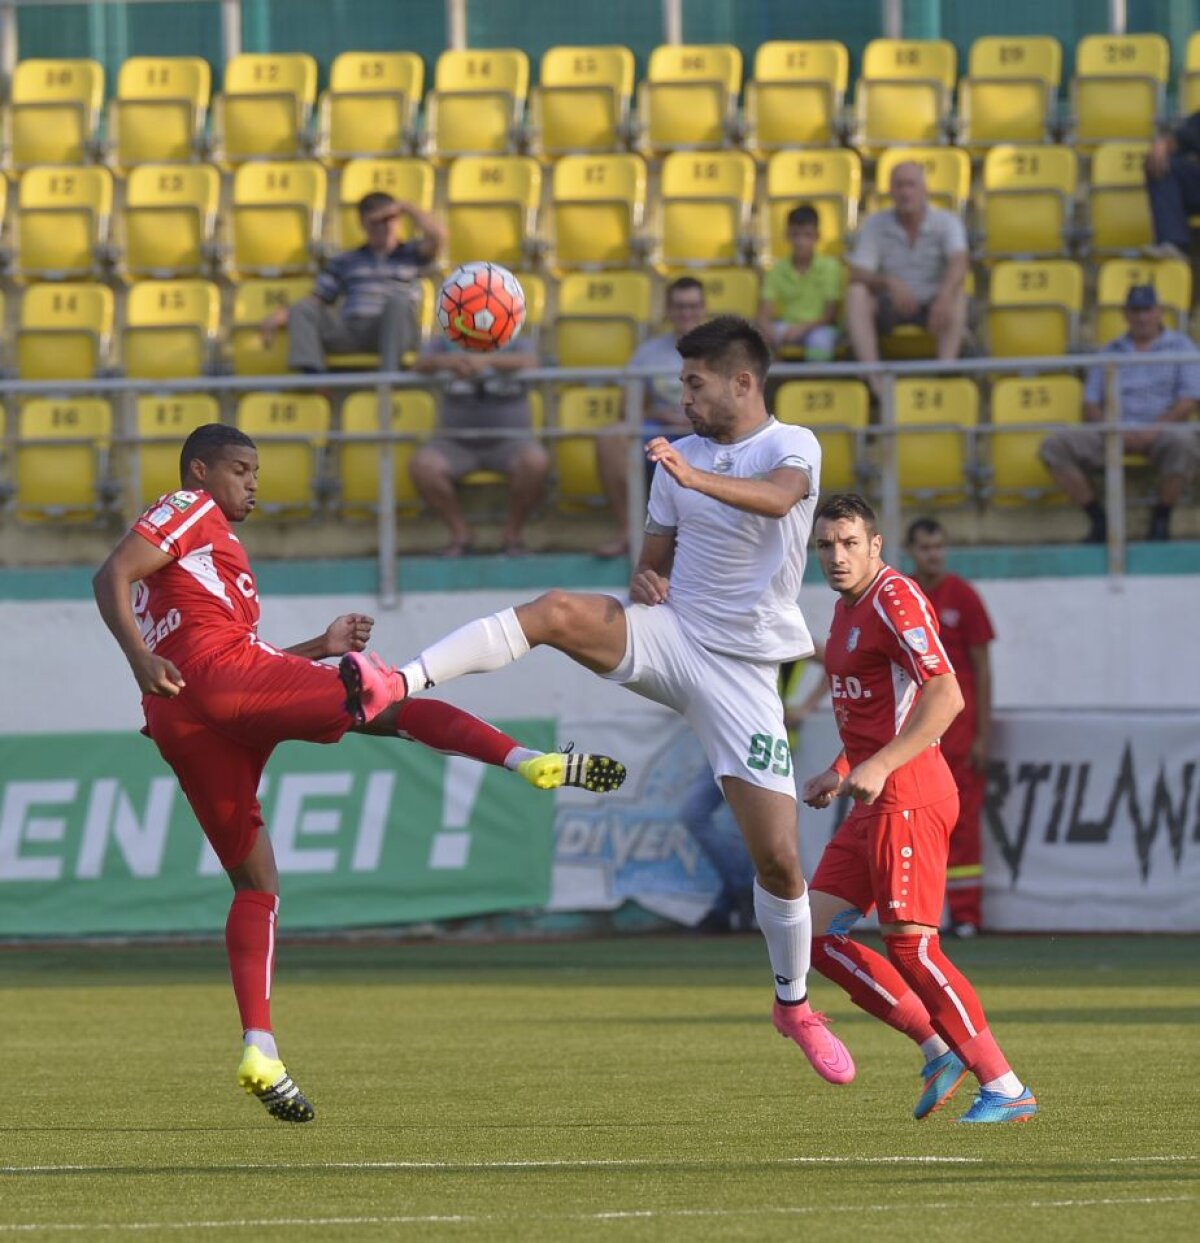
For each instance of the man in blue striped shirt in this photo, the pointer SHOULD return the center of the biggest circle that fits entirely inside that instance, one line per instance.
(365, 300)
(1156, 402)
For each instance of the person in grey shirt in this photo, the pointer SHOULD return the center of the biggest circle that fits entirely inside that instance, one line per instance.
(1156, 401)
(908, 267)
(481, 392)
(365, 300)
(662, 413)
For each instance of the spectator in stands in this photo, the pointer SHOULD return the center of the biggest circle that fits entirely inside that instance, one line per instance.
(908, 267)
(662, 414)
(375, 289)
(482, 392)
(1155, 400)
(1173, 183)
(802, 295)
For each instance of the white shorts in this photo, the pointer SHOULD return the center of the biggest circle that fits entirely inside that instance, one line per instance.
(732, 705)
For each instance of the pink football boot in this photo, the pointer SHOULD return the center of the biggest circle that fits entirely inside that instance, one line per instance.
(370, 685)
(829, 1057)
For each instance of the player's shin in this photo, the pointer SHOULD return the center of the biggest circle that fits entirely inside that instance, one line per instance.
(786, 925)
(481, 646)
(250, 944)
(874, 985)
(444, 727)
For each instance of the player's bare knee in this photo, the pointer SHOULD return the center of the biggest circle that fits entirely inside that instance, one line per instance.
(553, 616)
(779, 873)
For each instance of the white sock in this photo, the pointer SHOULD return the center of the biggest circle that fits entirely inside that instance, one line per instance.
(935, 1046)
(1007, 1085)
(787, 926)
(481, 646)
(264, 1040)
(518, 755)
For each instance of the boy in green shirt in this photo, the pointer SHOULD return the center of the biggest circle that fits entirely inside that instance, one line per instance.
(802, 295)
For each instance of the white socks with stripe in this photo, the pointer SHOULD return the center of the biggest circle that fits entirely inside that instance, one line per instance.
(481, 646)
(265, 1042)
(787, 926)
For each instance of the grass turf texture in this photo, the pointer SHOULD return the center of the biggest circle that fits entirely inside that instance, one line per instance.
(626, 1089)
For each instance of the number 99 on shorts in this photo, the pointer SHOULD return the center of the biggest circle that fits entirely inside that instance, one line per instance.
(773, 753)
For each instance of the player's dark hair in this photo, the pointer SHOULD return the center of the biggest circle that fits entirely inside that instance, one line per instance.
(923, 526)
(802, 215)
(847, 505)
(208, 442)
(728, 344)
(369, 202)
(684, 284)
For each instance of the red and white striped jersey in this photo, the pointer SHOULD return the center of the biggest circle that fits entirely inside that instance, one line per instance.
(881, 651)
(206, 598)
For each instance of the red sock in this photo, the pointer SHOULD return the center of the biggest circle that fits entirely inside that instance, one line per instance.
(250, 943)
(873, 984)
(444, 727)
(951, 1001)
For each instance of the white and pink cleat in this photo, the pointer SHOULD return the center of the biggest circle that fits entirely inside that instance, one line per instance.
(809, 1029)
(371, 685)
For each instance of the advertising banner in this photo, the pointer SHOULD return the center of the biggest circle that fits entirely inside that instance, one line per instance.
(96, 837)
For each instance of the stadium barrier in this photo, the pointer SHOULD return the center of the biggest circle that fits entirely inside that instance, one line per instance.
(122, 390)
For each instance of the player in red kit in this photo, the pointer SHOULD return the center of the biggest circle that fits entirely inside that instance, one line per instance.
(180, 598)
(894, 694)
(966, 633)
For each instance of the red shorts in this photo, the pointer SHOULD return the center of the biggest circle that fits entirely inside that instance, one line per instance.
(219, 731)
(895, 860)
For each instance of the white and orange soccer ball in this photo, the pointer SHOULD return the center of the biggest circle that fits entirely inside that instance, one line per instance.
(481, 306)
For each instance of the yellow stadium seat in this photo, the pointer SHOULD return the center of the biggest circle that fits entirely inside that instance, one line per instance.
(705, 208)
(1017, 474)
(414, 413)
(371, 105)
(534, 287)
(491, 208)
(160, 110)
(478, 102)
(947, 175)
(599, 204)
(170, 328)
(265, 106)
(170, 219)
(935, 465)
(837, 412)
(583, 410)
(61, 454)
(1009, 93)
(163, 424)
(65, 331)
(53, 111)
(290, 430)
(409, 180)
(829, 181)
(1027, 199)
(581, 102)
(1117, 91)
(601, 318)
(727, 291)
(276, 216)
(904, 93)
(1033, 307)
(1171, 278)
(795, 97)
(688, 100)
(253, 301)
(63, 219)
(1189, 84)
(1117, 201)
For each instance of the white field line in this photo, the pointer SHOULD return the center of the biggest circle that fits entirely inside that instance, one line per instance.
(613, 1215)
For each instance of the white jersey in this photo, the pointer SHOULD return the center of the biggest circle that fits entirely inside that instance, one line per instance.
(736, 577)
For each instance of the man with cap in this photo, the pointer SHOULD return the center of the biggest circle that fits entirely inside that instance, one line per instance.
(1155, 401)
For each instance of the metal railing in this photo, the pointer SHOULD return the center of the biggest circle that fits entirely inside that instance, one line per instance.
(121, 391)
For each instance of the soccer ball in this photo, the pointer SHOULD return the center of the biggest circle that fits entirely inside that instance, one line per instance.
(481, 306)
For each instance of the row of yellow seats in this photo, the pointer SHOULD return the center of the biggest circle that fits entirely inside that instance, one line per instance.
(584, 101)
(62, 450)
(599, 213)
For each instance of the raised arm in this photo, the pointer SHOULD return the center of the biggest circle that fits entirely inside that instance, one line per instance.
(773, 496)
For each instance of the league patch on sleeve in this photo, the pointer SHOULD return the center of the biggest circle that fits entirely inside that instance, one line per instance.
(917, 639)
(182, 501)
(160, 517)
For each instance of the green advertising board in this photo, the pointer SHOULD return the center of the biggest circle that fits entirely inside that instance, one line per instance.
(96, 836)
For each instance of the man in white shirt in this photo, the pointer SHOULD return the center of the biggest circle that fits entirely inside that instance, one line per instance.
(712, 611)
(908, 267)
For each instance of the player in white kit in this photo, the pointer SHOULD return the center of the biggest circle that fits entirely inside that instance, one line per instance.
(712, 612)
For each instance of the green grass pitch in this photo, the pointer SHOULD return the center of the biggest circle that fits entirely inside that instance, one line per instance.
(629, 1089)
